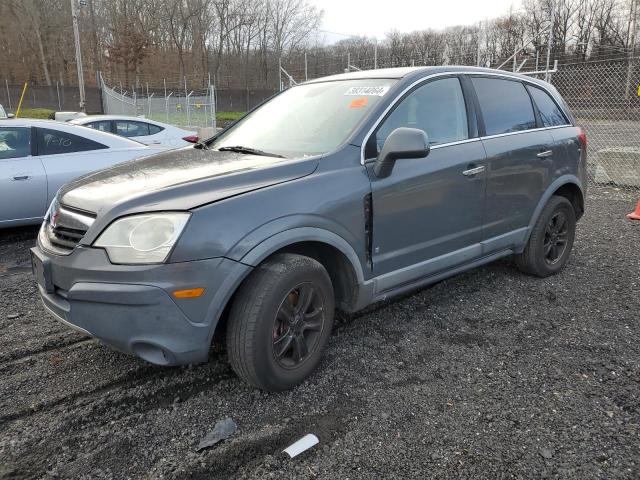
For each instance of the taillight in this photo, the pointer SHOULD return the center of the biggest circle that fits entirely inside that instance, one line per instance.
(582, 137)
(190, 138)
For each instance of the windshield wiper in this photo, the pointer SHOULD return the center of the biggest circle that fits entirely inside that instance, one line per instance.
(200, 144)
(248, 151)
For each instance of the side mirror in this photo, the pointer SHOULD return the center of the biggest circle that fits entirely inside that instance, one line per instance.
(10, 115)
(401, 143)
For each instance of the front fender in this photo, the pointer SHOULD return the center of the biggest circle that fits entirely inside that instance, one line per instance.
(301, 234)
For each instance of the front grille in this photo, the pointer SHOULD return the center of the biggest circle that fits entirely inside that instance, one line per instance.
(64, 228)
(63, 237)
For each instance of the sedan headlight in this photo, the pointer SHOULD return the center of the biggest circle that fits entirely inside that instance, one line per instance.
(144, 238)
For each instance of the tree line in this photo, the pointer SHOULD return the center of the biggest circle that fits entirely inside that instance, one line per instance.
(241, 43)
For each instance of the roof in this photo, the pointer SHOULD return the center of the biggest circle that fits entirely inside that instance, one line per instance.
(93, 118)
(28, 122)
(404, 72)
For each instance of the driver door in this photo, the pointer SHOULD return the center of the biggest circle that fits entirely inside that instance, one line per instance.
(23, 181)
(427, 215)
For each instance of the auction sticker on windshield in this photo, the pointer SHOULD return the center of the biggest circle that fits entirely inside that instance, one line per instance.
(371, 91)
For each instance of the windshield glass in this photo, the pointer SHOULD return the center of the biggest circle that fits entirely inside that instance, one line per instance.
(307, 119)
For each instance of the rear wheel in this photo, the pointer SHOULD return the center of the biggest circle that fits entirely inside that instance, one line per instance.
(280, 322)
(551, 239)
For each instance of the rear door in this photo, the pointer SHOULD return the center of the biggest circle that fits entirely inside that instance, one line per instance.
(66, 156)
(23, 181)
(519, 159)
(427, 215)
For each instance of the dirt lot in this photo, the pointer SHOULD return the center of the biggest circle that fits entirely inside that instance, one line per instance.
(491, 374)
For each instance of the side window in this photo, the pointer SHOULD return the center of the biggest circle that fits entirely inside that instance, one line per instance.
(15, 142)
(437, 107)
(52, 142)
(103, 125)
(153, 129)
(550, 113)
(505, 104)
(126, 128)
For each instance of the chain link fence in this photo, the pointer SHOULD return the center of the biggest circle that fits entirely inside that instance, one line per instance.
(603, 96)
(180, 107)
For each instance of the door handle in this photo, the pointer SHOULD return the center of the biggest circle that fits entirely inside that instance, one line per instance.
(21, 177)
(545, 154)
(473, 171)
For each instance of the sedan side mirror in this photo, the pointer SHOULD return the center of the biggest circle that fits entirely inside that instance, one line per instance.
(402, 143)
(10, 115)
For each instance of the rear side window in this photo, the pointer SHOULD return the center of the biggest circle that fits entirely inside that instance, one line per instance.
(505, 104)
(550, 113)
(15, 142)
(437, 108)
(126, 128)
(153, 129)
(52, 142)
(102, 125)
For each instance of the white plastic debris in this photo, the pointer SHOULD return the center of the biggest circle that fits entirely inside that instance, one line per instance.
(222, 430)
(305, 443)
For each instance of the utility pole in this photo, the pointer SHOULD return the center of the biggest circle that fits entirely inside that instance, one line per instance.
(76, 34)
(550, 42)
(375, 55)
(632, 45)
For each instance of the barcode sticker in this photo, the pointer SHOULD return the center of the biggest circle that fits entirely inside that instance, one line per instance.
(370, 91)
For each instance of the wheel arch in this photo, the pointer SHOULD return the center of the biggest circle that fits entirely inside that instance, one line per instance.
(334, 253)
(568, 186)
(331, 250)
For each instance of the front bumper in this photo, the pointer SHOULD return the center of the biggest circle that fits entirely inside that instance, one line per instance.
(130, 308)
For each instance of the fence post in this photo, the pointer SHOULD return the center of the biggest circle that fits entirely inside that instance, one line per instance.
(186, 100)
(213, 106)
(166, 99)
(58, 92)
(8, 93)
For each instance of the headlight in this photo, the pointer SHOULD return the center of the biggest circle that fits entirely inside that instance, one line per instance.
(144, 238)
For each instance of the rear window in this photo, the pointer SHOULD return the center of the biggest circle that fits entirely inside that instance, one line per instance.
(53, 142)
(153, 129)
(550, 113)
(128, 128)
(102, 125)
(505, 104)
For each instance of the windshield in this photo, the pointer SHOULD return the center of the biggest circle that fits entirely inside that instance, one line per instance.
(308, 119)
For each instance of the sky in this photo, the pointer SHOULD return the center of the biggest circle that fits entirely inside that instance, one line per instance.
(374, 18)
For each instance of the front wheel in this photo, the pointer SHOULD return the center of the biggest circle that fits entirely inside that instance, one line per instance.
(280, 322)
(551, 239)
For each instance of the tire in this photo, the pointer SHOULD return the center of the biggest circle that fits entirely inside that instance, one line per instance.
(268, 323)
(537, 259)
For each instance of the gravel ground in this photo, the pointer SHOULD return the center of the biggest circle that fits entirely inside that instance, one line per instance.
(491, 374)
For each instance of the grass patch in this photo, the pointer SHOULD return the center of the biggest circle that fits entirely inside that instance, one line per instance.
(228, 116)
(42, 113)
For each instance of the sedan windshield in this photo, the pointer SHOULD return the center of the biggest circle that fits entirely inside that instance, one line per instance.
(308, 119)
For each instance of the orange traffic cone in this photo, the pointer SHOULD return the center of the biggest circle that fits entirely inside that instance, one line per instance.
(635, 215)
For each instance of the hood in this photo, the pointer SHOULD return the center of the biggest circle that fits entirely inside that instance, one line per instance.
(179, 180)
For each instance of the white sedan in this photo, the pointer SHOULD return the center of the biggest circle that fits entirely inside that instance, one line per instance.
(38, 156)
(143, 130)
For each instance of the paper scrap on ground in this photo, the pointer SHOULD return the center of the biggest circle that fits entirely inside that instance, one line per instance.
(305, 443)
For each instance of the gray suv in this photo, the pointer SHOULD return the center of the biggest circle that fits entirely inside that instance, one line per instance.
(336, 193)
